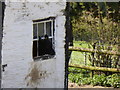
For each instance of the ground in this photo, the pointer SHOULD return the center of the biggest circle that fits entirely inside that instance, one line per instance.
(74, 85)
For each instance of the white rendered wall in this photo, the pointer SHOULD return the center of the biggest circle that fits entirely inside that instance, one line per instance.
(17, 46)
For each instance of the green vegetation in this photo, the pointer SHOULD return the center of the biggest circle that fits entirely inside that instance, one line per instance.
(96, 21)
(83, 77)
(95, 25)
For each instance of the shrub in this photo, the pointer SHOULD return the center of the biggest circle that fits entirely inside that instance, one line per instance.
(101, 80)
(98, 80)
(113, 80)
(85, 81)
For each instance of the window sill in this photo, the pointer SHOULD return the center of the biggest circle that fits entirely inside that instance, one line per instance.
(43, 57)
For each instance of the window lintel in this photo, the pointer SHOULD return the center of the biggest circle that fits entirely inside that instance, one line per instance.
(39, 20)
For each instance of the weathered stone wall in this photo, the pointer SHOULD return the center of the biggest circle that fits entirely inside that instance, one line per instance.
(18, 41)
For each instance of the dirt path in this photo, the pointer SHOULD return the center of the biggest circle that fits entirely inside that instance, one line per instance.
(74, 85)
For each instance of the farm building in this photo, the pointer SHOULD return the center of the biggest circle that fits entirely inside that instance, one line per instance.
(34, 44)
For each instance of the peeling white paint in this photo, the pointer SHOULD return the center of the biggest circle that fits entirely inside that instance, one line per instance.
(18, 39)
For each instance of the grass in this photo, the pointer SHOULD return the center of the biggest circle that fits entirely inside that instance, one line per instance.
(79, 57)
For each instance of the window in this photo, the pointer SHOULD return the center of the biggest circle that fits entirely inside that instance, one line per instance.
(43, 38)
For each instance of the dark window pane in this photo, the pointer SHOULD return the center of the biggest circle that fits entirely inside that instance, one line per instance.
(48, 28)
(35, 49)
(41, 29)
(45, 47)
(34, 31)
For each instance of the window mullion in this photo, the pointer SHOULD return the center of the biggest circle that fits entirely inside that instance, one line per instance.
(52, 28)
(52, 32)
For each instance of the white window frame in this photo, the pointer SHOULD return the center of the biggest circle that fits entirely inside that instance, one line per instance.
(45, 32)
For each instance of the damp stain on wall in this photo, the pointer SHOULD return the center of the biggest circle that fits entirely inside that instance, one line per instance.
(35, 75)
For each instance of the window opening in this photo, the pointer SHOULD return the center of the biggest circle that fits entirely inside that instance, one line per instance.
(43, 39)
